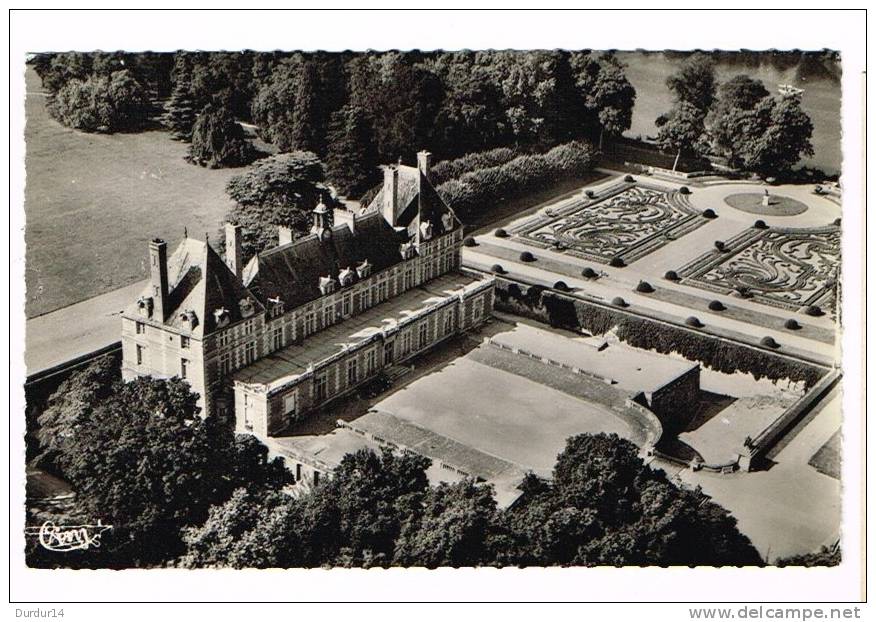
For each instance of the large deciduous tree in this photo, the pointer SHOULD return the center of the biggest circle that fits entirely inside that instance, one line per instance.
(682, 131)
(455, 526)
(142, 459)
(279, 190)
(607, 95)
(727, 119)
(694, 83)
(101, 103)
(774, 136)
(218, 141)
(70, 406)
(145, 462)
(606, 507)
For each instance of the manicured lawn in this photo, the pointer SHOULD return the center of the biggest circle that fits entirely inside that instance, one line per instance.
(93, 201)
(752, 202)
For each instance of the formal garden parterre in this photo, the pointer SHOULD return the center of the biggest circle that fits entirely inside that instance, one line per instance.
(794, 269)
(623, 222)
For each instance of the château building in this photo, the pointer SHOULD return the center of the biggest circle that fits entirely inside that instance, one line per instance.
(310, 319)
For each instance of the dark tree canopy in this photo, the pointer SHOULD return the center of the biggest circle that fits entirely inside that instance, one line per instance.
(604, 506)
(181, 108)
(141, 458)
(608, 96)
(351, 159)
(694, 83)
(101, 103)
(683, 130)
(727, 119)
(70, 406)
(279, 190)
(218, 141)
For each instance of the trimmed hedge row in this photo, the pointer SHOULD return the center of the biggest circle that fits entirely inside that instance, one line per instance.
(543, 305)
(481, 189)
(452, 169)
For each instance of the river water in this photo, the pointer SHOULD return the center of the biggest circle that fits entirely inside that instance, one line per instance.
(647, 71)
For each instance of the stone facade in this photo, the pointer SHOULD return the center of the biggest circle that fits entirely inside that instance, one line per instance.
(266, 409)
(204, 319)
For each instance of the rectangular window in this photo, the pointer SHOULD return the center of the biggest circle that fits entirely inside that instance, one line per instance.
(184, 342)
(366, 298)
(223, 338)
(320, 386)
(140, 350)
(347, 308)
(423, 336)
(225, 363)
(328, 316)
(141, 328)
(309, 323)
(352, 372)
(409, 279)
(406, 342)
(371, 361)
(247, 328)
(477, 308)
(382, 290)
(247, 417)
(290, 403)
(448, 322)
(183, 368)
(249, 353)
(428, 269)
(277, 337)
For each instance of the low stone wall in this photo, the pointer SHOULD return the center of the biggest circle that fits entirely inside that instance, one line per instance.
(767, 438)
(718, 353)
(649, 421)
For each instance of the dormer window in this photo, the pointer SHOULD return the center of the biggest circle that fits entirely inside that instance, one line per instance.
(408, 251)
(222, 316)
(189, 320)
(327, 285)
(145, 305)
(426, 230)
(363, 269)
(277, 306)
(247, 308)
(447, 221)
(346, 277)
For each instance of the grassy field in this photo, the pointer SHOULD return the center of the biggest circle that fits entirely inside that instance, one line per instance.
(92, 202)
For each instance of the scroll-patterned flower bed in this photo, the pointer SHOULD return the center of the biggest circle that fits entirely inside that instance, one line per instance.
(787, 268)
(626, 221)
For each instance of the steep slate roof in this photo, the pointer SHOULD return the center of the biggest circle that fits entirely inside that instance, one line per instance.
(199, 281)
(292, 271)
(419, 198)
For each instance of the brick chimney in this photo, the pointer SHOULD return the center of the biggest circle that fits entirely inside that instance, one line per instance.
(424, 162)
(158, 268)
(390, 194)
(285, 234)
(233, 249)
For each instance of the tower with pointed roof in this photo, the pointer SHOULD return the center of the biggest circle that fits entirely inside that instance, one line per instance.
(252, 340)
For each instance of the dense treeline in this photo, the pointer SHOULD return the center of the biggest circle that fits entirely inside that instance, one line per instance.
(181, 490)
(374, 108)
(356, 110)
